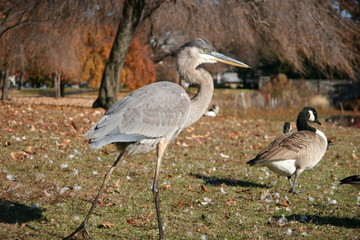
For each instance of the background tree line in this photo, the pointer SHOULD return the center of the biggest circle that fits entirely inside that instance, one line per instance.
(57, 42)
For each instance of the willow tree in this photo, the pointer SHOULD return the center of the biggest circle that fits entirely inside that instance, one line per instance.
(305, 35)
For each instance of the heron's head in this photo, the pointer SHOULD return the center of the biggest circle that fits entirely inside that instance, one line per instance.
(200, 50)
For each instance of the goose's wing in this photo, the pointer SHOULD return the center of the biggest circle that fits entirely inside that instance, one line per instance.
(156, 110)
(287, 146)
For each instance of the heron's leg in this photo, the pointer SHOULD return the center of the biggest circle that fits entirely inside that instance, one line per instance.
(297, 174)
(83, 226)
(160, 152)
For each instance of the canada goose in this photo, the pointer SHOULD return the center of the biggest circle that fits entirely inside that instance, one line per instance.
(213, 111)
(353, 180)
(287, 127)
(294, 152)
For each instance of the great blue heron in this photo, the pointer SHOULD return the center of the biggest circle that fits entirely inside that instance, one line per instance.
(152, 116)
(293, 152)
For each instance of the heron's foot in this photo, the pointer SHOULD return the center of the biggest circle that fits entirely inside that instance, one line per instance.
(81, 229)
(296, 192)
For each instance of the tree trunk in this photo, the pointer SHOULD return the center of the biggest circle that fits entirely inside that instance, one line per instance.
(133, 11)
(62, 88)
(57, 79)
(5, 85)
(20, 82)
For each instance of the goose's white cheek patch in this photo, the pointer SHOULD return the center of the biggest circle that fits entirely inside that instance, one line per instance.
(312, 116)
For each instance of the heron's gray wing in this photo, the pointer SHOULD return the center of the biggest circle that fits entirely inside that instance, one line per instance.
(288, 146)
(156, 110)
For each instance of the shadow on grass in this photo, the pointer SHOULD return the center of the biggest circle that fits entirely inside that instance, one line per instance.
(228, 181)
(13, 212)
(324, 220)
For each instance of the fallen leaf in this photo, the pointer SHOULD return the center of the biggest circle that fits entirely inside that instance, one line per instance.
(74, 125)
(101, 202)
(203, 188)
(354, 156)
(264, 194)
(29, 150)
(230, 203)
(32, 128)
(64, 142)
(107, 225)
(179, 204)
(233, 133)
(191, 188)
(166, 186)
(302, 229)
(130, 221)
(18, 156)
(283, 203)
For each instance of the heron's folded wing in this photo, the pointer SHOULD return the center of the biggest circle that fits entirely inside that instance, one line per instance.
(156, 110)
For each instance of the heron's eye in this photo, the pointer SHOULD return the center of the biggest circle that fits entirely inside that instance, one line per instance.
(206, 50)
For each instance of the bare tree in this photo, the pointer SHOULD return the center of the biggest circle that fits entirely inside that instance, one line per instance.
(13, 13)
(5, 84)
(304, 35)
(133, 13)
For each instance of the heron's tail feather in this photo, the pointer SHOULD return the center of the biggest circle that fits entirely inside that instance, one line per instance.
(101, 141)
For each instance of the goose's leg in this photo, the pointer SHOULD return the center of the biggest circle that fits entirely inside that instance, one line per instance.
(290, 182)
(297, 174)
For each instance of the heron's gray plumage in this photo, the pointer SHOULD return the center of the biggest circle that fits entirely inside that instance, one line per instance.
(154, 111)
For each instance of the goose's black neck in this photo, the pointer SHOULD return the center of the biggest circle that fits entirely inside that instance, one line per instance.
(302, 122)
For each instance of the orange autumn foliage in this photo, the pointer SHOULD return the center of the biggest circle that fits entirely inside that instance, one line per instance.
(139, 69)
(95, 50)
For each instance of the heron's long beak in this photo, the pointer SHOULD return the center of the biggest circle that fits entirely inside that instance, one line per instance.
(228, 60)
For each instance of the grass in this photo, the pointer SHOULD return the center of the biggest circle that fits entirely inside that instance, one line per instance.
(207, 190)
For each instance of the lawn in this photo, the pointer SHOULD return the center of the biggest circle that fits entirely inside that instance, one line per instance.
(48, 179)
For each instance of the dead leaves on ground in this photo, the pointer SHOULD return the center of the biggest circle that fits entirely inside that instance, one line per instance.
(141, 220)
(22, 154)
(18, 156)
(107, 225)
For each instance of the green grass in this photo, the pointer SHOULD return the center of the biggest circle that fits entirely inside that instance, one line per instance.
(50, 92)
(206, 161)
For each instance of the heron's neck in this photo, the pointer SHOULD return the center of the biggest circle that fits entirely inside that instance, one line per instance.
(202, 99)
